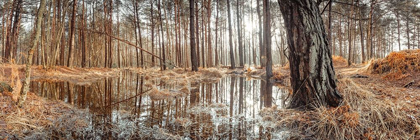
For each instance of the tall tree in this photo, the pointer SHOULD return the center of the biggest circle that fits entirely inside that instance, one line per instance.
(232, 57)
(209, 48)
(238, 21)
(350, 25)
(72, 32)
(267, 37)
(194, 62)
(216, 57)
(260, 40)
(361, 32)
(163, 38)
(152, 31)
(34, 43)
(12, 33)
(312, 74)
(398, 27)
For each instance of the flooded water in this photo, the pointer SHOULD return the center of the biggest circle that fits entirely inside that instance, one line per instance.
(226, 109)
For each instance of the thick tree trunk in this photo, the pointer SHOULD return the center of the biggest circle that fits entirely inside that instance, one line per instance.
(311, 69)
(330, 25)
(25, 86)
(194, 62)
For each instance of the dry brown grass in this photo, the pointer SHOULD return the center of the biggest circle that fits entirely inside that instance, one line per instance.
(397, 65)
(37, 115)
(363, 115)
(339, 61)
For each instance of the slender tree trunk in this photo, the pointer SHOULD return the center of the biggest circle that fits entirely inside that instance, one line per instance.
(238, 21)
(340, 37)
(197, 35)
(362, 43)
(209, 48)
(153, 31)
(216, 57)
(260, 40)
(163, 61)
(35, 39)
(72, 32)
(194, 63)
(312, 74)
(136, 21)
(83, 37)
(232, 56)
(12, 34)
(398, 26)
(267, 37)
(370, 30)
(350, 24)
(203, 48)
(140, 37)
(407, 24)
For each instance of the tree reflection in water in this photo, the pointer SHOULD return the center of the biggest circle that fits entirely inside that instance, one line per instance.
(226, 109)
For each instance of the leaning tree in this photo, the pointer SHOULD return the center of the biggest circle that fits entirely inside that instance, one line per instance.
(312, 74)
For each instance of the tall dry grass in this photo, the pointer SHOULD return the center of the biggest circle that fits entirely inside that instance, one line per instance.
(397, 65)
(362, 115)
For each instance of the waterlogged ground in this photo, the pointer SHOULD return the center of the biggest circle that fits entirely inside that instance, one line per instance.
(134, 105)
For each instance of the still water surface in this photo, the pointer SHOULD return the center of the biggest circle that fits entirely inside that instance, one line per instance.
(227, 108)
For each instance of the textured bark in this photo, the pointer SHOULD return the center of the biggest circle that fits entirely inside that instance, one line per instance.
(312, 74)
(330, 25)
(36, 36)
(232, 56)
(194, 62)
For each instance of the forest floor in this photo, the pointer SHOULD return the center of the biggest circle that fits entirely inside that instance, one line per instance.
(377, 105)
